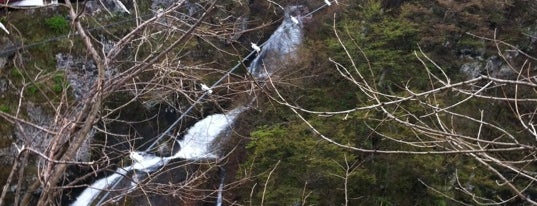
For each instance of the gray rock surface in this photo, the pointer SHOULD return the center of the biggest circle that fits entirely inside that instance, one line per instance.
(81, 74)
(493, 66)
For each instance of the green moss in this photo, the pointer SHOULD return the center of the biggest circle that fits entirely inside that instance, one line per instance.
(59, 83)
(58, 24)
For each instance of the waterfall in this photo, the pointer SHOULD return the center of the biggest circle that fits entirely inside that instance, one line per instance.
(198, 141)
(281, 45)
(90, 193)
(196, 144)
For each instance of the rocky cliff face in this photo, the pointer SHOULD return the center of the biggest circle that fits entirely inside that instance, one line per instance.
(56, 71)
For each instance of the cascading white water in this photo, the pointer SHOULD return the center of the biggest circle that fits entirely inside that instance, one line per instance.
(195, 145)
(281, 45)
(89, 194)
(220, 197)
(197, 142)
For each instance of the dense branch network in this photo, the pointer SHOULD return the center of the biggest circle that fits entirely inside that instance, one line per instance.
(150, 66)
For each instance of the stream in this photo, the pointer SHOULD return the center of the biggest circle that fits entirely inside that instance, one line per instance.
(199, 141)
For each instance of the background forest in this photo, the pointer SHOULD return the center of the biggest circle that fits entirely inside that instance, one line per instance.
(390, 102)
